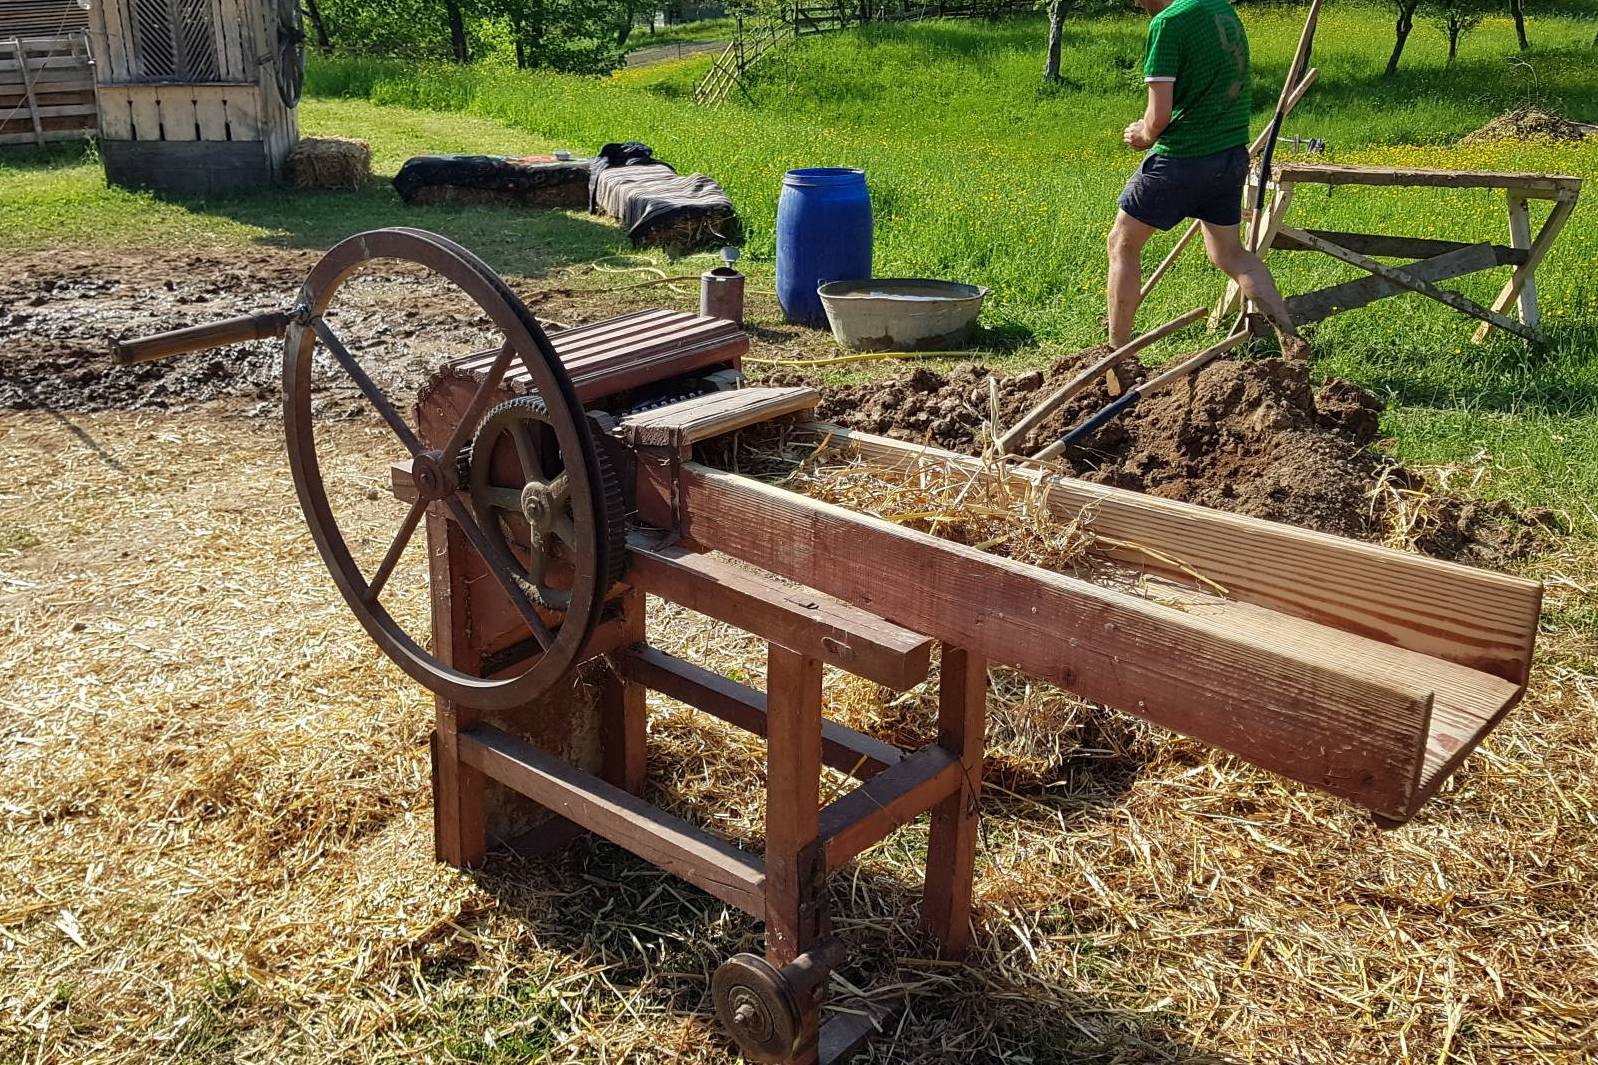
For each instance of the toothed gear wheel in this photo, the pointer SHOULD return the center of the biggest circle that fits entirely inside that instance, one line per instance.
(518, 486)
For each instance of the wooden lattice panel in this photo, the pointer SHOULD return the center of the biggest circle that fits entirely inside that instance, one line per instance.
(175, 40)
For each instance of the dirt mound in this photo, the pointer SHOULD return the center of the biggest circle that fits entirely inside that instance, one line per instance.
(1247, 436)
(1526, 124)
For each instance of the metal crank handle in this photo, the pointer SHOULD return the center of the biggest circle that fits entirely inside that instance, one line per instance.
(199, 337)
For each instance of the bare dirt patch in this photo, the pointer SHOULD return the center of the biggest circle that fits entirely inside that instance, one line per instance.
(1248, 436)
(59, 310)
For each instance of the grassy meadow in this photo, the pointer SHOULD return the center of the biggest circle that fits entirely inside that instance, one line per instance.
(980, 173)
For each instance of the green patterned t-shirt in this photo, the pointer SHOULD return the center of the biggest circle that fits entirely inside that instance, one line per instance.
(1200, 45)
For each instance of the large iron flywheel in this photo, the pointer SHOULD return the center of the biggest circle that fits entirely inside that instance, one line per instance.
(581, 502)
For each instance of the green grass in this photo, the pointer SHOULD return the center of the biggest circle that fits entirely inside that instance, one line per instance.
(59, 197)
(979, 173)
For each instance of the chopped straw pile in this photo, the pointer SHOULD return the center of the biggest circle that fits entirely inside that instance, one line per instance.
(1527, 124)
(330, 163)
(217, 842)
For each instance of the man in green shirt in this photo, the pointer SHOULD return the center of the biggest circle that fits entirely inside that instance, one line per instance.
(1195, 129)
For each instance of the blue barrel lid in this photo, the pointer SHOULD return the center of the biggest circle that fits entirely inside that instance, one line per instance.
(824, 175)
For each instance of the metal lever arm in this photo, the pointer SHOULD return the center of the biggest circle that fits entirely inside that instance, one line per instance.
(199, 337)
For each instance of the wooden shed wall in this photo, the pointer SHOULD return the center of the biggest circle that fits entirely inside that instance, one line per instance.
(241, 107)
(46, 89)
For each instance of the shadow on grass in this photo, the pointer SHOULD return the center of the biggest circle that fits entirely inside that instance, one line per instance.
(1500, 377)
(528, 241)
(658, 940)
(52, 156)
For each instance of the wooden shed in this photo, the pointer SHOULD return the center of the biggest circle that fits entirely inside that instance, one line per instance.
(197, 97)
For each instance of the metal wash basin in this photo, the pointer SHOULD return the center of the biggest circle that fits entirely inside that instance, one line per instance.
(902, 314)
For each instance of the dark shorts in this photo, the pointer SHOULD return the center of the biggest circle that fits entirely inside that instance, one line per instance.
(1164, 189)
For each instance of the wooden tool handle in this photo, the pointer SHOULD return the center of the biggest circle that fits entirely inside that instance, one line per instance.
(1060, 396)
(199, 337)
(1197, 362)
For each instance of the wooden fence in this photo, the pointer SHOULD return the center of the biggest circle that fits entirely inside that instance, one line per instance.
(46, 89)
(803, 18)
(751, 44)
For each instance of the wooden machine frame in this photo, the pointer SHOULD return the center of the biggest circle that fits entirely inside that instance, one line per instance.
(1355, 669)
(1360, 671)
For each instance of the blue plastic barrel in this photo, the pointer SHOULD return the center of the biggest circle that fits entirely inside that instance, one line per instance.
(823, 234)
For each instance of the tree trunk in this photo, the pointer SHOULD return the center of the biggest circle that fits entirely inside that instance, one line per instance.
(1517, 8)
(1406, 23)
(1051, 68)
(313, 11)
(1453, 39)
(516, 36)
(457, 31)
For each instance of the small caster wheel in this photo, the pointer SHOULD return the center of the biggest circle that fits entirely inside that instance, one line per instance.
(763, 1007)
(757, 1007)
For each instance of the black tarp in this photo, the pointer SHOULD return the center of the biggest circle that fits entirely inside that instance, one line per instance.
(537, 181)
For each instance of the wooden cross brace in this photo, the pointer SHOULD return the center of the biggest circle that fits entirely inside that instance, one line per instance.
(1432, 260)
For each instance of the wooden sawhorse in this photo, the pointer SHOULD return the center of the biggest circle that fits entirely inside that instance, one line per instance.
(1433, 260)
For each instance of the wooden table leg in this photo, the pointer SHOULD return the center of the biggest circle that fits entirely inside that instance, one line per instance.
(459, 833)
(624, 718)
(1525, 274)
(952, 848)
(1520, 237)
(796, 902)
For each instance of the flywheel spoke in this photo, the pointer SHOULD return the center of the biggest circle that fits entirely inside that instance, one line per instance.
(500, 568)
(474, 410)
(505, 499)
(374, 587)
(526, 452)
(367, 386)
(537, 559)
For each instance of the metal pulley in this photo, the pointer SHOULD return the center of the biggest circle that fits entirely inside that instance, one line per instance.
(763, 1007)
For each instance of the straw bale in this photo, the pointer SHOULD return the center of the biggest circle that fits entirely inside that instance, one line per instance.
(329, 163)
(215, 838)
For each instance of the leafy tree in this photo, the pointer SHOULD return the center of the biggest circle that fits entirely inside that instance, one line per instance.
(313, 12)
(575, 36)
(1402, 29)
(422, 29)
(1458, 17)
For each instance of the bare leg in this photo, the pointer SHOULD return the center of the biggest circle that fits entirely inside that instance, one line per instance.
(1127, 237)
(1226, 251)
